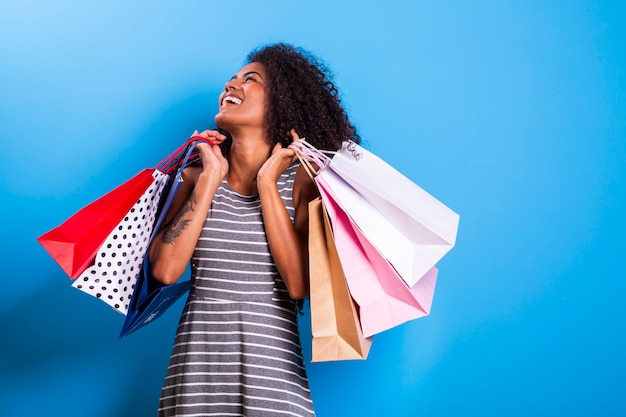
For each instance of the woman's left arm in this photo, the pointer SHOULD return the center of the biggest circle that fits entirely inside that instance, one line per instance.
(288, 240)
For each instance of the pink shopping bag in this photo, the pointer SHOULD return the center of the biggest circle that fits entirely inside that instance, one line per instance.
(384, 299)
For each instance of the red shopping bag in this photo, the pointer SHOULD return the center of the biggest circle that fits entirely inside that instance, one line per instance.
(74, 243)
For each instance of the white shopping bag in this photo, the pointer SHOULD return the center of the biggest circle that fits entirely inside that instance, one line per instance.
(408, 226)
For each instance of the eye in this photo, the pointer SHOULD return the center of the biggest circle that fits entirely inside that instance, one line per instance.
(249, 77)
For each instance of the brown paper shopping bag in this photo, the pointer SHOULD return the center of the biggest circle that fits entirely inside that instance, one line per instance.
(335, 323)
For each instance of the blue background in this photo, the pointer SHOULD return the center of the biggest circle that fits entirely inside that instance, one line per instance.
(511, 113)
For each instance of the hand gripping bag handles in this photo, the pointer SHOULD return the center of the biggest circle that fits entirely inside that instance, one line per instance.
(413, 230)
(150, 298)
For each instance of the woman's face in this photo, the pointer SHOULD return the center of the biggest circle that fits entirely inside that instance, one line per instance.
(242, 103)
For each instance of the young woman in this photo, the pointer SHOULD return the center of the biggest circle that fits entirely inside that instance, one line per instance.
(241, 218)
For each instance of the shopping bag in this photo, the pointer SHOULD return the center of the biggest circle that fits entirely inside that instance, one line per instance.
(335, 323)
(150, 298)
(384, 299)
(74, 243)
(113, 274)
(409, 227)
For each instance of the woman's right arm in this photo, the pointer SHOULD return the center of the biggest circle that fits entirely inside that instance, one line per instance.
(173, 247)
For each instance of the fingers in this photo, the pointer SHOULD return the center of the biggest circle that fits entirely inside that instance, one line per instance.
(212, 135)
(294, 135)
(217, 151)
(285, 153)
(203, 147)
(277, 148)
(211, 155)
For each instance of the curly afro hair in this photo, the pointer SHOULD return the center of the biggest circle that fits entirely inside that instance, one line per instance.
(301, 96)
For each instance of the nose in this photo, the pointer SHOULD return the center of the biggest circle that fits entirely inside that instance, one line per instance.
(230, 85)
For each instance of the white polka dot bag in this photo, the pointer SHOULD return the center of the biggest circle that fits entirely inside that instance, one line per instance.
(112, 276)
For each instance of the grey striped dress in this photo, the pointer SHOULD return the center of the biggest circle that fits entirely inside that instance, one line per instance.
(237, 350)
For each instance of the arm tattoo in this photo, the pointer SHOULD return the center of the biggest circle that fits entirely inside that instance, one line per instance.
(173, 229)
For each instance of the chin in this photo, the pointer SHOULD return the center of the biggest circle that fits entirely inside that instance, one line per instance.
(220, 122)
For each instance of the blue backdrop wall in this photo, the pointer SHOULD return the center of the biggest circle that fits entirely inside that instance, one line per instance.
(511, 113)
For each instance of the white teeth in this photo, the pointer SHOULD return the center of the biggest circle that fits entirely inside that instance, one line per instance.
(232, 99)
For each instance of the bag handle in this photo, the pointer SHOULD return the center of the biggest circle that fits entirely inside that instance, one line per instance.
(308, 166)
(177, 180)
(312, 159)
(305, 161)
(311, 153)
(170, 162)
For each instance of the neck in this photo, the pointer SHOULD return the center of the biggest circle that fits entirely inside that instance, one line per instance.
(247, 154)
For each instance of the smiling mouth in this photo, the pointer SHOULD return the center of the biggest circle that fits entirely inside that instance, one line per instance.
(231, 100)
